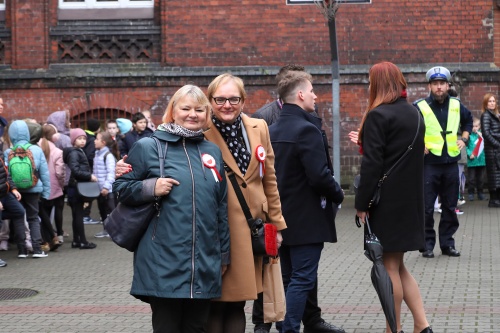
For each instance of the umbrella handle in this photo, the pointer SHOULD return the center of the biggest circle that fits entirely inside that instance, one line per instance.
(368, 225)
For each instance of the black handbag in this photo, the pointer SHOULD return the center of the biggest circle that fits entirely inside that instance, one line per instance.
(88, 190)
(263, 235)
(127, 224)
(376, 195)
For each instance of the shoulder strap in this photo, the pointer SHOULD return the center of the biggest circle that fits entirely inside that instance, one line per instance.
(410, 147)
(161, 155)
(240, 196)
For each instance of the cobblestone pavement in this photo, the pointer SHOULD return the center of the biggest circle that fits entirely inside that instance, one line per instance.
(87, 290)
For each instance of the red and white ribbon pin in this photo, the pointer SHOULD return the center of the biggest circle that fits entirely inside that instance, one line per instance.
(209, 162)
(261, 156)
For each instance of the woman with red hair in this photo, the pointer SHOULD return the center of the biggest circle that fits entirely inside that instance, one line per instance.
(387, 129)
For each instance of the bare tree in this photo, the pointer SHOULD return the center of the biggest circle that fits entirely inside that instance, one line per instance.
(329, 9)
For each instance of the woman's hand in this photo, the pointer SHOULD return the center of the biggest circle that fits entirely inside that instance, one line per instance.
(122, 167)
(362, 216)
(164, 186)
(279, 238)
(353, 136)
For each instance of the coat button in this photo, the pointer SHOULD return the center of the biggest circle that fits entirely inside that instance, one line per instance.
(244, 185)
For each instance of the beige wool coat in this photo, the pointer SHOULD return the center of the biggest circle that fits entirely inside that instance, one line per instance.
(243, 278)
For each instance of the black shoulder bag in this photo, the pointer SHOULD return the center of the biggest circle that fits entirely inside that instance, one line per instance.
(263, 234)
(127, 224)
(376, 196)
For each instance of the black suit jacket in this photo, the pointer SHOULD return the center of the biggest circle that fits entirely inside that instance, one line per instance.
(305, 180)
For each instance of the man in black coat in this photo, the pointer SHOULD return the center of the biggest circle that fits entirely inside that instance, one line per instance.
(308, 192)
(312, 313)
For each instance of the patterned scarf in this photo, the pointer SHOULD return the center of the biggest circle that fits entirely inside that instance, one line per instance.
(180, 131)
(231, 133)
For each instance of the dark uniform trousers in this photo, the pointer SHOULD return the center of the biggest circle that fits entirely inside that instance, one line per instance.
(442, 180)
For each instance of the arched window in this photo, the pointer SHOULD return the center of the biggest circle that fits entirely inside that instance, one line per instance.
(101, 114)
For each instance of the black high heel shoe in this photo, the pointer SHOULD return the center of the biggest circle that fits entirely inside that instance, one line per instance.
(427, 330)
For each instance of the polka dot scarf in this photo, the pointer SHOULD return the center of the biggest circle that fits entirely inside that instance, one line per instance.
(231, 133)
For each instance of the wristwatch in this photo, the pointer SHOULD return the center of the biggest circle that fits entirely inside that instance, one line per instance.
(465, 139)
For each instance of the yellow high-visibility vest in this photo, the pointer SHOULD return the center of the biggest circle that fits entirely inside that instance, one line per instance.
(433, 139)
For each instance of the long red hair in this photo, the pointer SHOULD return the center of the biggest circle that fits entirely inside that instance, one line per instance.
(387, 84)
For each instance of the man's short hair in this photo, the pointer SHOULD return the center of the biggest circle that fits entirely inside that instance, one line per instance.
(285, 69)
(289, 83)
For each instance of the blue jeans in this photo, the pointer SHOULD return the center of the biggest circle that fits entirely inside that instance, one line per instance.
(299, 268)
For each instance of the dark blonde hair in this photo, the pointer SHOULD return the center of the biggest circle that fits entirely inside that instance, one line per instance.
(222, 79)
(485, 103)
(289, 83)
(48, 132)
(109, 142)
(188, 90)
(387, 84)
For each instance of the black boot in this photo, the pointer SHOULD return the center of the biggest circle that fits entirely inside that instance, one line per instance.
(494, 202)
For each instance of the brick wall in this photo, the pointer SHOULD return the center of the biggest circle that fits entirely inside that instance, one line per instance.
(253, 39)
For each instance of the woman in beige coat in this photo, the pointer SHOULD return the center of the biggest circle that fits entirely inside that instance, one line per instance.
(239, 137)
(243, 278)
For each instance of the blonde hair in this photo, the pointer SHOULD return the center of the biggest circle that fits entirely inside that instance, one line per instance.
(188, 90)
(222, 79)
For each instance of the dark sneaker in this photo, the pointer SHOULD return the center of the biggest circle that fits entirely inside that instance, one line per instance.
(324, 327)
(22, 254)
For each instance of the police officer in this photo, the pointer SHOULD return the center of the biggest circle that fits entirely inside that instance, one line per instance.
(444, 117)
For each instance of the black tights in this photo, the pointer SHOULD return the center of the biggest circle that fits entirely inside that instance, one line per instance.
(227, 317)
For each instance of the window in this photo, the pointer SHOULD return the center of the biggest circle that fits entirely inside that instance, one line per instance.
(105, 9)
(305, 2)
(105, 3)
(2, 4)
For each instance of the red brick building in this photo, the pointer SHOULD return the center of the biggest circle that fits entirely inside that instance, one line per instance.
(109, 58)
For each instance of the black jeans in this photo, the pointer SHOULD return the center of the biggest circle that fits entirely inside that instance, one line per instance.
(312, 312)
(76, 202)
(475, 176)
(58, 205)
(179, 315)
(106, 204)
(14, 211)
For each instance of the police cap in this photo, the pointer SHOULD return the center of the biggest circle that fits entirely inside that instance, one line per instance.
(438, 73)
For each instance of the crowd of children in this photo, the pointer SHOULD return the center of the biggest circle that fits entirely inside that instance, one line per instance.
(40, 166)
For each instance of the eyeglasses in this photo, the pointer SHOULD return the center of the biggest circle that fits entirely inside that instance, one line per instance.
(222, 100)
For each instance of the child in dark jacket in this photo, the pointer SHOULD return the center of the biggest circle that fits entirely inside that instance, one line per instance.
(139, 131)
(78, 163)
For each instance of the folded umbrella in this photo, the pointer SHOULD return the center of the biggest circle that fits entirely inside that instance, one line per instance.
(380, 278)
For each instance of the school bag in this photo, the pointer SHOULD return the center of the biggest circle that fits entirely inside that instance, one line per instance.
(22, 167)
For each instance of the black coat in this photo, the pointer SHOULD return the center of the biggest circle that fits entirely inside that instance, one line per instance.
(398, 220)
(78, 163)
(490, 127)
(6, 183)
(305, 182)
(132, 137)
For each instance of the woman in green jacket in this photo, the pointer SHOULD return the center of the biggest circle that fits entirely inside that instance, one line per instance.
(180, 260)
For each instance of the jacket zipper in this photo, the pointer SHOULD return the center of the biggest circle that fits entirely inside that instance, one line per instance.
(193, 222)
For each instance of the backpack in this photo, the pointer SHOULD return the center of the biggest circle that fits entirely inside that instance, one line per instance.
(22, 167)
